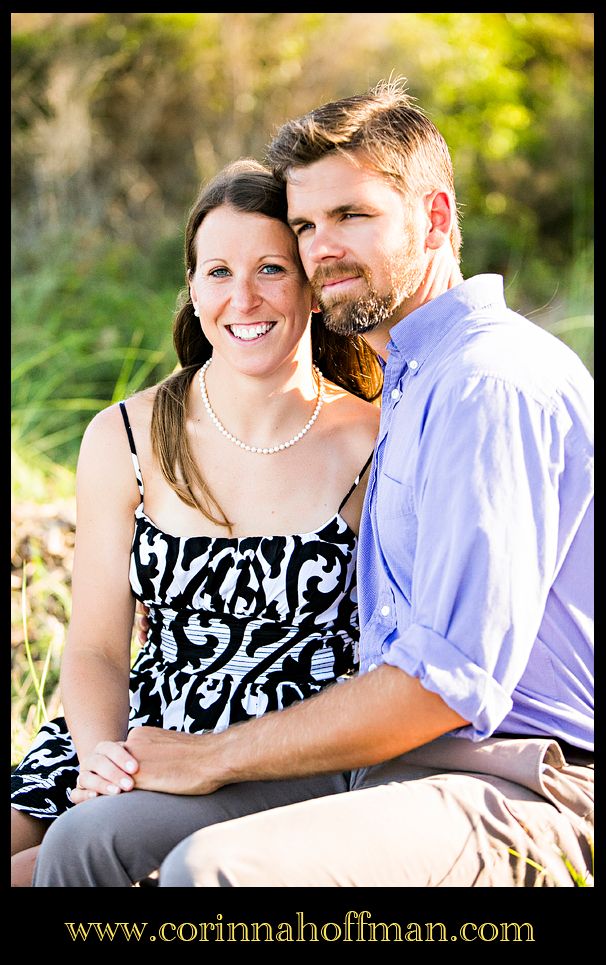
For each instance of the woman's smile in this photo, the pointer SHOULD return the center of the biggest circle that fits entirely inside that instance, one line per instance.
(251, 332)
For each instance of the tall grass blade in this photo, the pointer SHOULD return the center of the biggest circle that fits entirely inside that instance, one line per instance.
(128, 363)
(41, 711)
(529, 861)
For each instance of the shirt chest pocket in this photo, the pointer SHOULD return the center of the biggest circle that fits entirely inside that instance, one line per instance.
(395, 494)
(397, 527)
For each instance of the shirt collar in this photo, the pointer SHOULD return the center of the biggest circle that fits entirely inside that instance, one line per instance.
(416, 335)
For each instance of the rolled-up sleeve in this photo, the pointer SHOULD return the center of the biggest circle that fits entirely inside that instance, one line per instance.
(485, 509)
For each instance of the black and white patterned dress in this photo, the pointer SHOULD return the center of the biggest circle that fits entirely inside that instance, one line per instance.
(238, 627)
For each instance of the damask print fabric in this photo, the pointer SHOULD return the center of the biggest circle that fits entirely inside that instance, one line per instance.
(238, 627)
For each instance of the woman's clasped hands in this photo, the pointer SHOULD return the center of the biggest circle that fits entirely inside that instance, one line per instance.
(106, 770)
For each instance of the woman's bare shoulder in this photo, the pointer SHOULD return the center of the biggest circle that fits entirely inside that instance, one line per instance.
(350, 430)
(109, 421)
(351, 412)
(105, 435)
(139, 407)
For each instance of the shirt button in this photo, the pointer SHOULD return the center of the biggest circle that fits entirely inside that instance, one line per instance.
(395, 393)
(385, 611)
(413, 364)
(372, 666)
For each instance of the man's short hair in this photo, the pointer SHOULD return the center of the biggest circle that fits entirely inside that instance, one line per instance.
(384, 127)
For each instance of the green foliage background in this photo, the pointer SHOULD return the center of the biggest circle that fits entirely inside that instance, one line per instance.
(116, 120)
(118, 117)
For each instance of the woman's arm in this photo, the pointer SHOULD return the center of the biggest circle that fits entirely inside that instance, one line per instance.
(96, 662)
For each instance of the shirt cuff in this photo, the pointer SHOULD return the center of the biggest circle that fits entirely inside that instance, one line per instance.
(444, 670)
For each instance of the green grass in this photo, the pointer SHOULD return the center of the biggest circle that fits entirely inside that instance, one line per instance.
(44, 615)
(92, 323)
(578, 878)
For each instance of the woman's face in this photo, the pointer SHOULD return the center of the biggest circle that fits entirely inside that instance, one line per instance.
(250, 290)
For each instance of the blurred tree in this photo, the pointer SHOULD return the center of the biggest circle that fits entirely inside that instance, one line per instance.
(118, 117)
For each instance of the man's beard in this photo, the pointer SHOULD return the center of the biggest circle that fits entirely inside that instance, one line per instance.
(364, 313)
(359, 315)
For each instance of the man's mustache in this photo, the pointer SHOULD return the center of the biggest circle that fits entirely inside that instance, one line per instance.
(325, 273)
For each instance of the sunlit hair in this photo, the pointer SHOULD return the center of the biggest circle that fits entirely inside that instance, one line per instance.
(386, 128)
(349, 362)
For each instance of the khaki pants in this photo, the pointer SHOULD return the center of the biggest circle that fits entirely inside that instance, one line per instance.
(505, 812)
(447, 814)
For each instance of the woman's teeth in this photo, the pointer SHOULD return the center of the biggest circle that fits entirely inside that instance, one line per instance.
(249, 332)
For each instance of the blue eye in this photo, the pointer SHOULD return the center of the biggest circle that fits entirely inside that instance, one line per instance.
(272, 269)
(303, 227)
(218, 272)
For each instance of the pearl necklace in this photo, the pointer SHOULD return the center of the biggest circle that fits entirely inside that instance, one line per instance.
(271, 449)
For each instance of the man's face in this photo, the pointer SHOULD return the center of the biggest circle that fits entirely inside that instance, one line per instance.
(360, 242)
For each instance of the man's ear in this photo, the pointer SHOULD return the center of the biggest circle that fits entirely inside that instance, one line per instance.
(439, 206)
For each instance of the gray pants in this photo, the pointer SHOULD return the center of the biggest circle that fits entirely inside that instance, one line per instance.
(449, 814)
(117, 841)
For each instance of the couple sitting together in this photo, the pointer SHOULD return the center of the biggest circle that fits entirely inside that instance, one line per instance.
(368, 633)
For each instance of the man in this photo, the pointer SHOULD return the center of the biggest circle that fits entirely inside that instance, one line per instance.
(462, 753)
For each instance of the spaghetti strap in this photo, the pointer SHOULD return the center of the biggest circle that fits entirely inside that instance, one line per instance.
(133, 449)
(357, 480)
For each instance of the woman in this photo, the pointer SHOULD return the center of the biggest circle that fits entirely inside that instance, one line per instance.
(188, 498)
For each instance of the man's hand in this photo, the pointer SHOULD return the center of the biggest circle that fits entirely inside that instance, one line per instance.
(107, 770)
(172, 761)
(372, 718)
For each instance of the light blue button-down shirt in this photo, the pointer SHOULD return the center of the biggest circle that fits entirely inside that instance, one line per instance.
(476, 545)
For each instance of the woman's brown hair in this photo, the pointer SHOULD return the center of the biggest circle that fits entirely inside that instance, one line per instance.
(345, 360)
